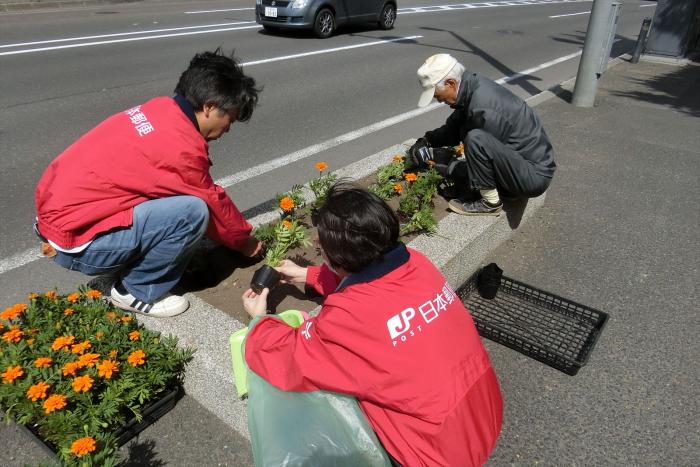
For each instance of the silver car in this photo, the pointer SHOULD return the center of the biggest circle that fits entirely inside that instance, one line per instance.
(323, 16)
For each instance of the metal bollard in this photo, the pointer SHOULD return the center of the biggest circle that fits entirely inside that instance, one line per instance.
(641, 40)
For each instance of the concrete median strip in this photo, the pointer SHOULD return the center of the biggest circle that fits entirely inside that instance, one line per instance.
(458, 249)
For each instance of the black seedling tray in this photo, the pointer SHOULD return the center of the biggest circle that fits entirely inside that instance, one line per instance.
(551, 329)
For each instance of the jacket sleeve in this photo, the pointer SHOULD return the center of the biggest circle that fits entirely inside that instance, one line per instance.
(322, 279)
(447, 134)
(226, 223)
(319, 355)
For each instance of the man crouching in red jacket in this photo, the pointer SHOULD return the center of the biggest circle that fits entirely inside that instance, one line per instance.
(391, 333)
(133, 196)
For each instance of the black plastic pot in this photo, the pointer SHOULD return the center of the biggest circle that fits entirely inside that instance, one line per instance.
(264, 276)
(489, 281)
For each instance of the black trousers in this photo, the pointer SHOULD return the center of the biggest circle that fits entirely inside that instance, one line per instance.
(491, 164)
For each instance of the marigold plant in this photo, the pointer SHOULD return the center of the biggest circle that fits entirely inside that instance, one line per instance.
(76, 378)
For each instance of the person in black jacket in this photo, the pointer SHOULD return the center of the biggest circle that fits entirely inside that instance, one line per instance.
(507, 152)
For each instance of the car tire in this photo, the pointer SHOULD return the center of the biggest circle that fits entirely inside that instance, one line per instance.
(388, 17)
(324, 24)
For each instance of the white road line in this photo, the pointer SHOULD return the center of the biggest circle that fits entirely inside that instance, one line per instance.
(572, 14)
(132, 39)
(467, 6)
(645, 6)
(325, 51)
(30, 255)
(217, 11)
(102, 36)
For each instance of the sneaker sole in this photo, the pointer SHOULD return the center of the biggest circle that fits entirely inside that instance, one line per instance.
(152, 314)
(467, 213)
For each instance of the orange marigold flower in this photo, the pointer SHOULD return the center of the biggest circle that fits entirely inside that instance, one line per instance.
(126, 319)
(68, 311)
(62, 342)
(83, 446)
(11, 373)
(82, 383)
(2, 326)
(410, 177)
(74, 297)
(397, 158)
(51, 294)
(431, 163)
(14, 335)
(54, 402)
(137, 357)
(30, 341)
(287, 224)
(70, 368)
(12, 312)
(111, 315)
(321, 166)
(107, 367)
(398, 187)
(89, 359)
(43, 362)
(134, 335)
(37, 391)
(287, 204)
(460, 148)
(93, 293)
(112, 354)
(32, 296)
(99, 334)
(81, 347)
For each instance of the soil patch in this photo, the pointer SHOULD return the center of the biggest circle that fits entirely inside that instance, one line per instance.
(219, 276)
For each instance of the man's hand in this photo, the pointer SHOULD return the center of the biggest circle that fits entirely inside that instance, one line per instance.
(254, 304)
(437, 157)
(413, 150)
(252, 247)
(291, 272)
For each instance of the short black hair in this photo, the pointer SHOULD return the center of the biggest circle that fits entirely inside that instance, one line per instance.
(213, 78)
(355, 227)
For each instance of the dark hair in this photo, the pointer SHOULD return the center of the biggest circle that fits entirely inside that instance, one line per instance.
(213, 78)
(355, 227)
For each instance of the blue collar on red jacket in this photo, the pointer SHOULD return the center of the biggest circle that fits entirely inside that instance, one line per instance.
(187, 109)
(384, 265)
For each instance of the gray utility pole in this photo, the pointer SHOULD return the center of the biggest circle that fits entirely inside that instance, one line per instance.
(596, 51)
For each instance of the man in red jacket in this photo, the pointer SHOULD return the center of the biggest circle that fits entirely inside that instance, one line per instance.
(133, 196)
(391, 333)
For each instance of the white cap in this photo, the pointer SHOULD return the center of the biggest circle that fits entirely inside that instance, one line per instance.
(431, 73)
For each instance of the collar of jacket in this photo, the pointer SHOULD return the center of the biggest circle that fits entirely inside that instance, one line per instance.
(389, 261)
(187, 109)
(464, 91)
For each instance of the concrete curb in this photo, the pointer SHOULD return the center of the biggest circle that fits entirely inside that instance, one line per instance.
(57, 4)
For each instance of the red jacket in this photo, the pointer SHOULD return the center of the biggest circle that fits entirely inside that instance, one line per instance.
(148, 152)
(397, 338)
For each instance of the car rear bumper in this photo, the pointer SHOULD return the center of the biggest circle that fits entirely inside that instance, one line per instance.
(286, 18)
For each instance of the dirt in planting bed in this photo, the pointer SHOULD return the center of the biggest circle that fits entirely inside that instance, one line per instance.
(219, 276)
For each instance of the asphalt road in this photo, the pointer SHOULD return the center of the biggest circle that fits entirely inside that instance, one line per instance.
(62, 72)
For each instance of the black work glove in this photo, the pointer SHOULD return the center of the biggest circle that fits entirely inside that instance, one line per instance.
(455, 169)
(413, 150)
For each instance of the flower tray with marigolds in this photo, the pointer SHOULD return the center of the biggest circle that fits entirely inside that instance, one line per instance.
(82, 376)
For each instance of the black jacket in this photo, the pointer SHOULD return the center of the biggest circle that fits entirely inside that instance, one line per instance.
(484, 104)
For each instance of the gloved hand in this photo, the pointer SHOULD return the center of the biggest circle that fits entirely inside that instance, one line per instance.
(455, 169)
(427, 157)
(413, 150)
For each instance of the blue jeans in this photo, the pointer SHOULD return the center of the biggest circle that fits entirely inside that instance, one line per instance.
(151, 255)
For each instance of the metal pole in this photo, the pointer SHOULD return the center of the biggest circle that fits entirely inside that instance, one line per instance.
(588, 71)
(641, 40)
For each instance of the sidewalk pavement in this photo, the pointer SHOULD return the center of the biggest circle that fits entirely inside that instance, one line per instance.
(618, 233)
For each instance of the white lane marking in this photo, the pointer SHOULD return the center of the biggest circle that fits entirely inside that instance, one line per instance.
(28, 256)
(325, 51)
(217, 11)
(132, 39)
(572, 14)
(320, 147)
(467, 6)
(119, 34)
(645, 6)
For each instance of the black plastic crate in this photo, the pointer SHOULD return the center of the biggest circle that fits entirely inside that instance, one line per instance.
(149, 415)
(551, 329)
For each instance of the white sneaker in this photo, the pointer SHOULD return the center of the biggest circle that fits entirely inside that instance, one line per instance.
(170, 305)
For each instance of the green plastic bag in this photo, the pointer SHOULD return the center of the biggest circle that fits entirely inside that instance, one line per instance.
(310, 429)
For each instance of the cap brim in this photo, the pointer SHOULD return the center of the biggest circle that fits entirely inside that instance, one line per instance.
(426, 96)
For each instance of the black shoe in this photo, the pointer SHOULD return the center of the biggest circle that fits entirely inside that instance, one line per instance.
(475, 208)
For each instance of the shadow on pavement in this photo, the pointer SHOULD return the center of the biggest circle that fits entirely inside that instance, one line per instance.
(142, 453)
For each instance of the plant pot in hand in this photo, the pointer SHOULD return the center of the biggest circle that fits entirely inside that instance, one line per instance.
(265, 276)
